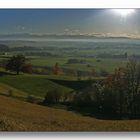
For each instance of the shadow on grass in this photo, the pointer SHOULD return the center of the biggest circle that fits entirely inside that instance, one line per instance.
(3, 73)
(76, 85)
(89, 112)
(84, 111)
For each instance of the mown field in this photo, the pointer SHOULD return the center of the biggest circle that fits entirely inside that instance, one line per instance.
(106, 64)
(37, 86)
(22, 116)
(25, 85)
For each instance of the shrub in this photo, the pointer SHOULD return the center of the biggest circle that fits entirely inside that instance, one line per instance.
(88, 97)
(54, 96)
(103, 73)
(31, 99)
(10, 92)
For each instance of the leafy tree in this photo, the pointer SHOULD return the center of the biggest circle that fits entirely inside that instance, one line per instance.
(133, 83)
(57, 70)
(94, 73)
(53, 96)
(125, 55)
(88, 98)
(117, 96)
(116, 90)
(27, 68)
(17, 64)
(124, 86)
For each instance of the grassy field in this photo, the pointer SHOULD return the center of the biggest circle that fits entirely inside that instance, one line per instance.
(22, 116)
(38, 85)
(48, 61)
(5, 90)
(106, 64)
(32, 85)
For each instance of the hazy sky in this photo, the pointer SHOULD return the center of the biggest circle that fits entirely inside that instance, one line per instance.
(62, 20)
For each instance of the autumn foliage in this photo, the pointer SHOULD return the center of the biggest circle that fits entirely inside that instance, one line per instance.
(57, 70)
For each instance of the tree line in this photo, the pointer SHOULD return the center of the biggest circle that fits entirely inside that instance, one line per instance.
(19, 63)
(116, 96)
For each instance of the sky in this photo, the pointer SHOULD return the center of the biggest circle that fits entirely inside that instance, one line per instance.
(68, 21)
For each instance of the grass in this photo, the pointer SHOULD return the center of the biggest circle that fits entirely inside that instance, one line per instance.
(33, 85)
(59, 77)
(106, 64)
(22, 116)
(4, 89)
(48, 61)
(76, 85)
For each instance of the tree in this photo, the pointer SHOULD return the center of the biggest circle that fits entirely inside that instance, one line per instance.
(16, 63)
(79, 75)
(125, 55)
(27, 68)
(53, 96)
(124, 86)
(133, 83)
(94, 73)
(115, 86)
(57, 70)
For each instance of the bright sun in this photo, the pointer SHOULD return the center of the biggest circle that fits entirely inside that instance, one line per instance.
(123, 12)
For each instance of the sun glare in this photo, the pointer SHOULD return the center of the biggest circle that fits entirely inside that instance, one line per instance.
(123, 12)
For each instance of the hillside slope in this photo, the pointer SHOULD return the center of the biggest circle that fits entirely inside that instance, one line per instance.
(33, 85)
(17, 115)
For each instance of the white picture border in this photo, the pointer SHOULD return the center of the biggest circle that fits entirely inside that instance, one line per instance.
(69, 3)
(24, 4)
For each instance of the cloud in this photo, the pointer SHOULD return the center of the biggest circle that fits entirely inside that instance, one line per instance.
(94, 34)
(68, 31)
(20, 27)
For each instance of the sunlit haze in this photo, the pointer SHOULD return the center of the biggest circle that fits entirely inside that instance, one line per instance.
(105, 22)
(124, 12)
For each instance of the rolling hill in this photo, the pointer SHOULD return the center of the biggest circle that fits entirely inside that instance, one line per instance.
(32, 84)
(22, 116)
